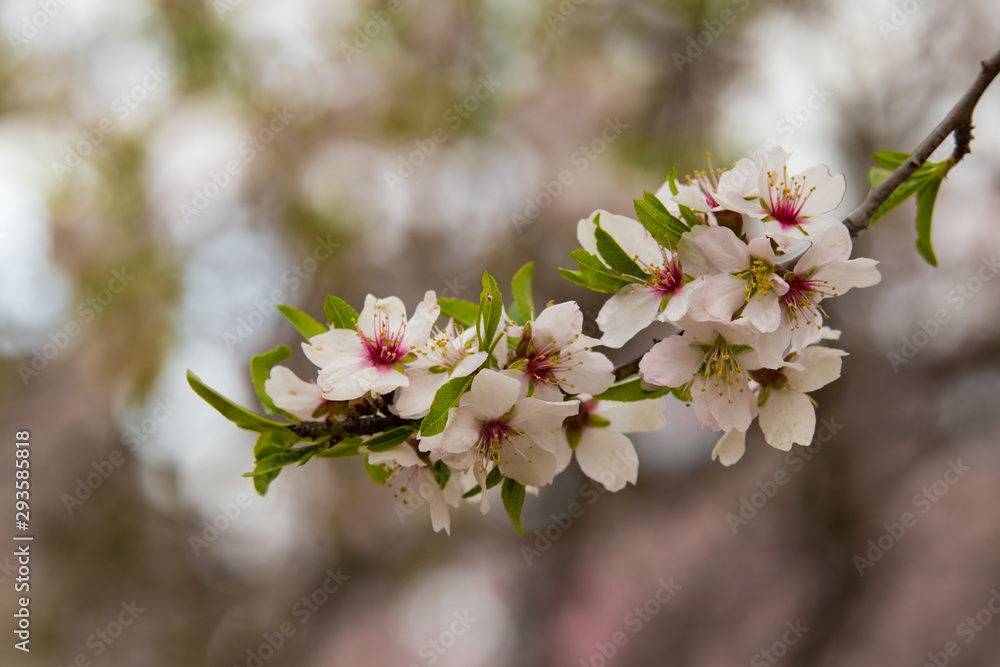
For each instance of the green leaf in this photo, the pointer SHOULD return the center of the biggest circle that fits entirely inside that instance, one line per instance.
(339, 313)
(630, 391)
(672, 181)
(493, 477)
(664, 227)
(928, 173)
(925, 209)
(462, 311)
(593, 275)
(690, 217)
(890, 159)
(445, 399)
(304, 322)
(347, 447)
(512, 495)
(272, 442)
(520, 285)
(876, 175)
(278, 460)
(234, 413)
(390, 439)
(260, 368)
(490, 312)
(474, 491)
(616, 257)
(377, 472)
(442, 473)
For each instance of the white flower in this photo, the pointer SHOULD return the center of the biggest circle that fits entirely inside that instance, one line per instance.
(292, 394)
(787, 415)
(558, 356)
(664, 293)
(371, 359)
(714, 360)
(495, 423)
(410, 476)
(823, 271)
(603, 453)
(747, 280)
(447, 354)
(792, 206)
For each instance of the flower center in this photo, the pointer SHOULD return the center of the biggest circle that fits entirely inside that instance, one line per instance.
(787, 197)
(666, 278)
(803, 297)
(722, 368)
(544, 365)
(492, 436)
(386, 349)
(759, 278)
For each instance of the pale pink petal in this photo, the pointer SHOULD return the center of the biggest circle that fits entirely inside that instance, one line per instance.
(634, 416)
(724, 249)
(843, 276)
(588, 373)
(822, 366)
(627, 313)
(534, 467)
(491, 395)
(730, 447)
(531, 414)
(608, 457)
(723, 295)
(787, 417)
(828, 193)
(671, 362)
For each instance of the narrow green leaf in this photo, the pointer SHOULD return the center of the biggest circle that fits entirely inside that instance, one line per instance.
(390, 439)
(630, 391)
(520, 285)
(474, 491)
(876, 175)
(462, 311)
(577, 278)
(512, 495)
(599, 277)
(347, 447)
(925, 210)
(493, 477)
(304, 322)
(446, 398)
(278, 460)
(690, 217)
(890, 159)
(664, 226)
(339, 313)
(490, 312)
(272, 442)
(234, 413)
(260, 369)
(672, 181)
(616, 257)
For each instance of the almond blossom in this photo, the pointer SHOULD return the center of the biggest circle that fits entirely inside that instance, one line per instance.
(370, 359)
(448, 353)
(496, 424)
(596, 434)
(294, 395)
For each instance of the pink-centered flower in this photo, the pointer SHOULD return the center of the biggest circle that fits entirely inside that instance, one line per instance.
(496, 424)
(448, 353)
(665, 291)
(370, 359)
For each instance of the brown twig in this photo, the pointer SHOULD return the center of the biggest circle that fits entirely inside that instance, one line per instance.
(958, 121)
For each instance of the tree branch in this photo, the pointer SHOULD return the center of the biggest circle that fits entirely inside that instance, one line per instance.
(958, 121)
(352, 426)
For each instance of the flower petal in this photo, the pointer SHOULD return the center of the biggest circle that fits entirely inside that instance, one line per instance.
(671, 362)
(633, 417)
(724, 249)
(492, 394)
(730, 447)
(786, 418)
(822, 366)
(608, 457)
(627, 313)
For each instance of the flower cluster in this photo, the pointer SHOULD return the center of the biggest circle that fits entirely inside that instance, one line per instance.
(461, 397)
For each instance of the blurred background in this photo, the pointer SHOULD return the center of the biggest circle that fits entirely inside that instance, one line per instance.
(169, 170)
